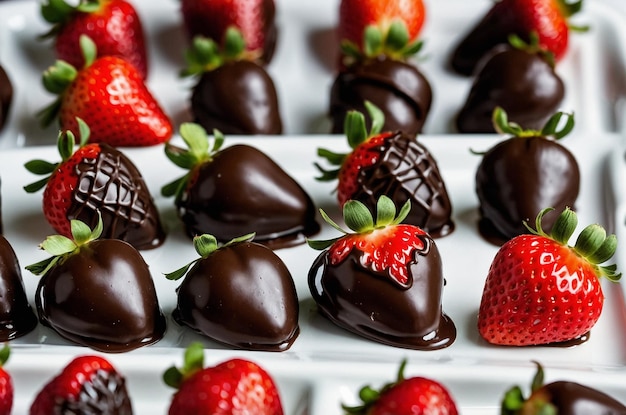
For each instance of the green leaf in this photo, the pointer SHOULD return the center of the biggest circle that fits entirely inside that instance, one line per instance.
(172, 377)
(331, 222)
(320, 245)
(42, 267)
(173, 188)
(357, 216)
(336, 159)
(65, 144)
(89, 49)
(377, 116)
(194, 358)
(36, 186)
(80, 232)
(84, 131)
(58, 77)
(605, 252)
(354, 127)
(5, 352)
(397, 37)
(512, 401)
(404, 212)
(564, 226)
(590, 240)
(218, 140)
(385, 211)
(40, 167)
(205, 245)
(57, 245)
(196, 138)
(373, 41)
(180, 272)
(234, 43)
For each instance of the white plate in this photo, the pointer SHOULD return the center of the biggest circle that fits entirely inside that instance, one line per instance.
(304, 65)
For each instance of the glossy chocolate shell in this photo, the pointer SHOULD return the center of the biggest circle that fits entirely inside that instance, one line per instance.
(6, 96)
(242, 295)
(574, 399)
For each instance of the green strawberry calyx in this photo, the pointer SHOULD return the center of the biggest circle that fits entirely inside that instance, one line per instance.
(570, 8)
(532, 47)
(205, 245)
(359, 219)
(199, 150)
(356, 132)
(592, 243)
(61, 247)
(5, 353)
(193, 361)
(369, 396)
(206, 55)
(514, 402)
(392, 41)
(59, 12)
(554, 128)
(66, 142)
(58, 77)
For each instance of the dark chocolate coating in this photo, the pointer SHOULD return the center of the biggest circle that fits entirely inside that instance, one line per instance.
(519, 177)
(241, 191)
(6, 96)
(16, 316)
(106, 391)
(373, 306)
(398, 88)
(524, 84)
(241, 295)
(574, 399)
(237, 98)
(112, 185)
(406, 170)
(103, 298)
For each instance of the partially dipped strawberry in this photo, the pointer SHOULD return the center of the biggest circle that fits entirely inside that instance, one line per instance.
(255, 19)
(232, 93)
(389, 163)
(559, 397)
(97, 181)
(524, 173)
(88, 384)
(109, 94)
(7, 392)
(416, 395)
(97, 292)
(114, 26)
(539, 290)
(237, 190)
(549, 19)
(383, 281)
(224, 295)
(235, 386)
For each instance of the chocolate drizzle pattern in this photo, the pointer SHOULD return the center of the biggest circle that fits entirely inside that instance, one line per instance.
(407, 170)
(112, 185)
(104, 393)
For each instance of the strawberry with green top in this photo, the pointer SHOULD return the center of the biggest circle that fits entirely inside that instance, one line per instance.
(391, 163)
(540, 290)
(233, 93)
(234, 386)
(110, 95)
(6, 383)
(119, 196)
(383, 281)
(416, 395)
(114, 26)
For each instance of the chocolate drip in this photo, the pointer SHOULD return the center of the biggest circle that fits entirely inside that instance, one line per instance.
(112, 185)
(406, 170)
(104, 393)
(398, 88)
(103, 297)
(6, 96)
(243, 296)
(16, 316)
(241, 191)
(237, 98)
(373, 306)
(574, 399)
(519, 177)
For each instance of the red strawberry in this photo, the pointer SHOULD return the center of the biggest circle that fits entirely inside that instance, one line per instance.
(6, 383)
(390, 163)
(405, 396)
(559, 397)
(254, 18)
(120, 195)
(88, 384)
(356, 15)
(547, 18)
(384, 281)
(236, 386)
(110, 95)
(540, 290)
(114, 26)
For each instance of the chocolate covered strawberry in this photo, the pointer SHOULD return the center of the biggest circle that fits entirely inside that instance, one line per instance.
(232, 93)
(86, 385)
(382, 74)
(521, 175)
(110, 95)
(114, 26)
(383, 281)
(416, 395)
(97, 292)
(97, 181)
(224, 295)
(235, 191)
(255, 19)
(559, 397)
(520, 78)
(389, 163)
(234, 386)
(7, 392)
(548, 19)
(540, 290)
(6, 96)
